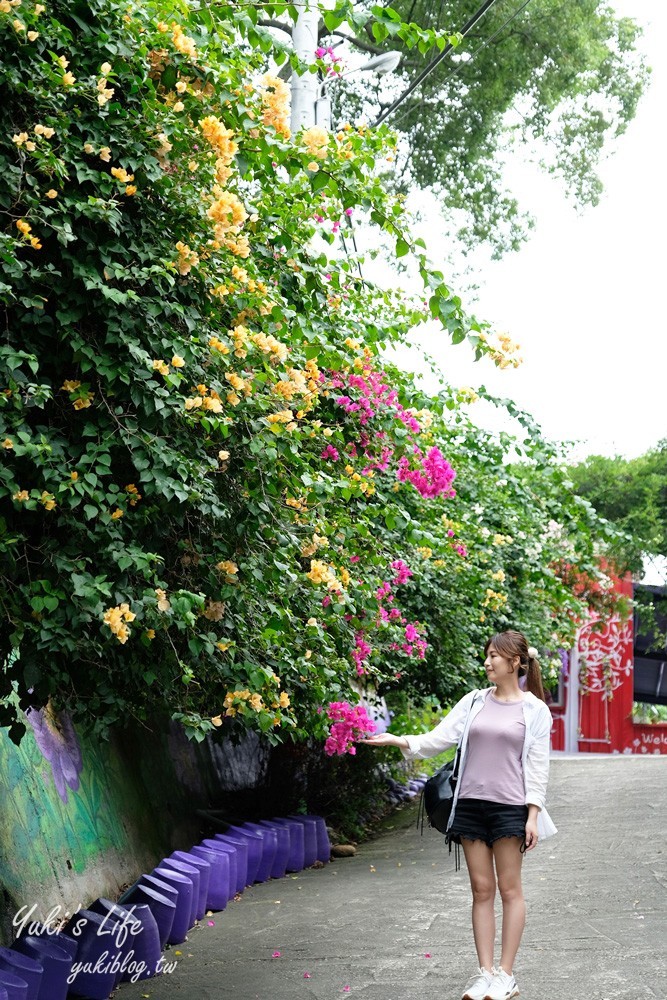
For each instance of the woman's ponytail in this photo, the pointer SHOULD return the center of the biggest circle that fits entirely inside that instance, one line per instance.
(534, 678)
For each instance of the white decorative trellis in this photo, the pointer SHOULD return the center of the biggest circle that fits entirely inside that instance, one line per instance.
(604, 663)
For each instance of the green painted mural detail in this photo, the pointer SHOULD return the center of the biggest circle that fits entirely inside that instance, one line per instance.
(46, 820)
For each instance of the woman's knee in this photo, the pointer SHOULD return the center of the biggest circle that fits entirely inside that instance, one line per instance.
(510, 889)
(483, 889)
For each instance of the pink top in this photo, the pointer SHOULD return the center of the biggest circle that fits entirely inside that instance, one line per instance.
(493, 768)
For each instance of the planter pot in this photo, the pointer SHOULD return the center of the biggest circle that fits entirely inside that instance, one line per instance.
(145, 950)
(219, 891)
(204, 869)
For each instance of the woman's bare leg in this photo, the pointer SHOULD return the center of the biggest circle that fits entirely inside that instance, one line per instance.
(479, 859)
(508, 860)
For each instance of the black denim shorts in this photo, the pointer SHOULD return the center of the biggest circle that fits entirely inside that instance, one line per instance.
(479, 819)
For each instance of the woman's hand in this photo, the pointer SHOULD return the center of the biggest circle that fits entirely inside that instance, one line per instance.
(385, 740)
(531, 833)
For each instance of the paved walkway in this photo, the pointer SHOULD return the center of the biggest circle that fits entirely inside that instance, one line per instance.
(364, 926)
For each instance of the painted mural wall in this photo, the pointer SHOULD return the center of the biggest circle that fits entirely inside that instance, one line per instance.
(82, 818)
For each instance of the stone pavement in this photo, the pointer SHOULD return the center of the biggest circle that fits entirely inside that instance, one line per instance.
(364, 926)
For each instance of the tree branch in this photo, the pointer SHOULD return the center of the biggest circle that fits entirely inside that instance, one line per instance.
(365, 46)
(268, 23)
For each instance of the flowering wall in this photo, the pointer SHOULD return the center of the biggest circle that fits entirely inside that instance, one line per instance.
(215, 497)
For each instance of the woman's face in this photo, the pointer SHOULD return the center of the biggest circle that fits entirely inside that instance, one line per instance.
(496, 666)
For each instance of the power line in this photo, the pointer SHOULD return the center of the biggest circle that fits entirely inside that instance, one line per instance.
(477, 16)
(467, 62)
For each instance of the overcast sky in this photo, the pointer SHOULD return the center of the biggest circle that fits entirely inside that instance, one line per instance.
(585, 296)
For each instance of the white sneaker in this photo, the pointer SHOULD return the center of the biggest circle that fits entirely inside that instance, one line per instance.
(502, 987)
(478, 985)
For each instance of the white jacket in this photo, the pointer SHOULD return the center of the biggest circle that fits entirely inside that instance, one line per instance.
(454, 729)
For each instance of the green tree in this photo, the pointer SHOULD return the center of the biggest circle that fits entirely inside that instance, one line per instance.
(632, 495)
(563, 79)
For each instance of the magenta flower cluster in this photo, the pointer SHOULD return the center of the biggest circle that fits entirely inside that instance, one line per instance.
(349, 723)
(435, 476)
(330, 453)
(322, 52)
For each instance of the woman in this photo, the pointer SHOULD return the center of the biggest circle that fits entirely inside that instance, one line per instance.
(498, 811)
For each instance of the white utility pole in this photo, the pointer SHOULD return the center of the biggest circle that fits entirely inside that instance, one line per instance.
(305, 88)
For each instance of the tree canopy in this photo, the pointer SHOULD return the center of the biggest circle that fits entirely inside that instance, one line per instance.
(564, 79)
(632, 495)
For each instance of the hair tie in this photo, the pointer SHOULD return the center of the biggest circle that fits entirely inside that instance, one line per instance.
(532, 653)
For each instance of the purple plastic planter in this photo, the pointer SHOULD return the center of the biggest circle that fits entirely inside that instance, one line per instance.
(55, 961)
(204, 869)
(219, 891)
(295, 862)
(239, 848)
(191, 872)
(283, 847)
(162, 906)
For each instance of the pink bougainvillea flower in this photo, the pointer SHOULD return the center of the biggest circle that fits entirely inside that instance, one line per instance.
(276, 954)
(346, 989)
(306, 975)
(211, 923)
(427, 954)
(349, 723)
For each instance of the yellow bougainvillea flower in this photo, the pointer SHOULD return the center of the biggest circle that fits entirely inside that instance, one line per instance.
(8, 444)
(70, 384)
(177, 361)
(227, 566)
(69, 79)
(21, 496)
(105, 154)
(162, 602)
(52, 193)
(117, 514)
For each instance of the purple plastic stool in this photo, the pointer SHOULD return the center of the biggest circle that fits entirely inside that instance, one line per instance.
(25, 967)
(255, 846)
(218, 883)
(185, 888)
(295, 862)
(240, 848)
(204, 869)
(191, 872)
(15, 988)
(323, 842)
(310, 839)
(118, 928)
(270, 847)
(162, 907)
(145, 951)
(96, 985)
(55, 961)
(282, 849)
(234, 859)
